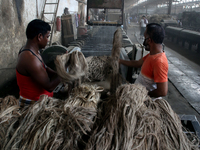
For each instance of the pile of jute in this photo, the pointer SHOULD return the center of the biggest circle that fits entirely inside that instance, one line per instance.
(157, 18)
(131, 120)
(47, 124)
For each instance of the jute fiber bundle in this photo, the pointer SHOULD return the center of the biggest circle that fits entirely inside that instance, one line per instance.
(8, 106)
(85, 95)
(131, 120)
(71, 66)
(9, 113)
(99, 67)
(117, 44)
(157, 18)
(51, 124)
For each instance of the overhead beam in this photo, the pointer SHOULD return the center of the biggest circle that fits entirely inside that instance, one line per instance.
(170, 7)
(80, 1)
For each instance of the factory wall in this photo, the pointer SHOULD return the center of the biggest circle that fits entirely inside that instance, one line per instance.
(14, 17)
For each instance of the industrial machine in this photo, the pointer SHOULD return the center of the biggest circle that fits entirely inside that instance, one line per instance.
(184, 35)
(105, 12)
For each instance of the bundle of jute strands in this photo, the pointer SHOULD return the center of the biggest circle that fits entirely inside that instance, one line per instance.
(9, 113)
(7, 102)
(51, 124)
(117, 44)
(131, 120)
(71, 66)
(85, 95)
(8, 105)
(99, 67)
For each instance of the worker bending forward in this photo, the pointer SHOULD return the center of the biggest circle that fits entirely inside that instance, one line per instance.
(34, 78)
(154, 66)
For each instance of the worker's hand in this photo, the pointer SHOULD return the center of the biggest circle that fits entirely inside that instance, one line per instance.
(119, 61)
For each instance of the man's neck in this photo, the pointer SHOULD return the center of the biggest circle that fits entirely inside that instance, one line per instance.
(30, 44)
(157, 48)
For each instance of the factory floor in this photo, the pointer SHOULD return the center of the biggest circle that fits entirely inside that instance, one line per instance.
(184, 75)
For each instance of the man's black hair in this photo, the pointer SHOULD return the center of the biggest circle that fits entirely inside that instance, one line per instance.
(36, 27)
(156, 32)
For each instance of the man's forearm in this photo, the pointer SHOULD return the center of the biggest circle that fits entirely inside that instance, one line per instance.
(156, 93)
(131, 63)
(51, 73)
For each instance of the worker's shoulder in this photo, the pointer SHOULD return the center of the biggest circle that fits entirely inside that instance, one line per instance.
(159, 58)
(28, 59)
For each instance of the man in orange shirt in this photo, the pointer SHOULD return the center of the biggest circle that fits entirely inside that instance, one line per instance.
(154, 66)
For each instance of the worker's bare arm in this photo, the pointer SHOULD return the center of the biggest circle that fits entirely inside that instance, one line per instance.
(131, 63)
(51, 73)
(162, 89)
(38, 73)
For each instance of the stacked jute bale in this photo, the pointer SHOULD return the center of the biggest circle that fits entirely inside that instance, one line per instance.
(50, 124)
(157, 18)
(131, 120)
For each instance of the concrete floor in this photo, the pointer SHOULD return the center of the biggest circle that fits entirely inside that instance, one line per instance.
(184, 74)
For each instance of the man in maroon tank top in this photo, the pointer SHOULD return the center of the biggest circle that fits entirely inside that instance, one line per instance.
(34, 78)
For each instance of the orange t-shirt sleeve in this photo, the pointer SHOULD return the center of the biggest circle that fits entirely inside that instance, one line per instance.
(145, 57)
(160, 70)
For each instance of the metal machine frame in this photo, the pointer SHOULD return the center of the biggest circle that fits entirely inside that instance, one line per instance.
(106, 5)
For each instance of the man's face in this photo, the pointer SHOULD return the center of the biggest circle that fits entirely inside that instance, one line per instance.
(44, 39)
(146, 41)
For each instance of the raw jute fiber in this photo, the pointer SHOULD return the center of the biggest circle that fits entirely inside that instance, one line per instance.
(8, 106)
(71, 66)
(51, 124)
(85, 95)
(99, 67)
(130, 120)
(9, 113)
(117, 44)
